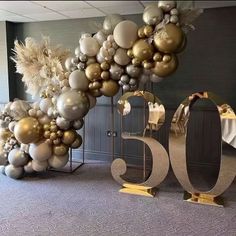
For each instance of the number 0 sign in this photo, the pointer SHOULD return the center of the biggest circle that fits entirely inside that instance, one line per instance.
(177, 149)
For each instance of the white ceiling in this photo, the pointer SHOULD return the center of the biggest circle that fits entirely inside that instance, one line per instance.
(29, 11)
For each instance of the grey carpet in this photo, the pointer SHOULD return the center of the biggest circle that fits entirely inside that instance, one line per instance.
(87, 203)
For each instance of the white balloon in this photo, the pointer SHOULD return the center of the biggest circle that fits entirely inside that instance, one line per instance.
(14, 172)
(68, 64)
(100, 58)
(11, 126)
(17, 158)
(45, 119)
(100, 37)
(77, 51)
(89, 46)
(126, 33)
(58, 161)
(29, 167)
(45, 104)
(40, 151)
(78, 80)
(39, 166)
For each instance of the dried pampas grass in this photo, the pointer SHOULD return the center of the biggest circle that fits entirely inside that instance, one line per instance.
(39, 63)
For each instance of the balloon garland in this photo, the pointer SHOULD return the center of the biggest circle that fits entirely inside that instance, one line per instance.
(36, 137)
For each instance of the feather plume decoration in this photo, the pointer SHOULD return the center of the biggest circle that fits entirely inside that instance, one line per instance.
(39, 63)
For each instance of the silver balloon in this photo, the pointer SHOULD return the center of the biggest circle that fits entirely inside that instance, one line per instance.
(62, 123)
(116, 71)
(152, 15)
(69, 65)
(17, 158)
(166, 6)
(133, 81)
(110, 22)
(73, 105)
(125, 78)
(126, 88)
(133, 71)
(14, 172)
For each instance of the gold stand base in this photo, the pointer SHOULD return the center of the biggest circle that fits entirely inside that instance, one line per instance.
(138, 190)
(204, 199)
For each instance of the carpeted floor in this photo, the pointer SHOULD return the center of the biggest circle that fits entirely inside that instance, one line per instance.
(87, 203)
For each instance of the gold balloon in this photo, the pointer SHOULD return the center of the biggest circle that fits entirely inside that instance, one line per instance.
(46, 127)
(141, 33)
(93, 71)
(148, 30)
(143, 50)
(47, 134)
(97, 85)
(166, 58)
(130, 53)
(105, 75)
(163, 69)
(28, 130)
(95, 93)
(59, 133)
(147, 65)
(105, 65)
(77, 143)
(60, 149)
(109, 88)
(69, 137)
(53, 136)
(4, 135)
(53, 128)
(136, 61)
(157, 56)
(57, 141)
(169, 39)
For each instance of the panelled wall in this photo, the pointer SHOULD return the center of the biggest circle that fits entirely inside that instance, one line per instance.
(208, 63)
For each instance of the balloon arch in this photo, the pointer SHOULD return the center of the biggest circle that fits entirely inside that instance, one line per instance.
(35, 137)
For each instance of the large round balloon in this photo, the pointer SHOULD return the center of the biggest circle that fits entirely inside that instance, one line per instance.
(152, 14)
(93, 71)
(109, 88)
(78, 80)
(58, 161)
(40, 151)
(163, 68)
(89, 46)
(28, 130)
(60, 149)
(111, 21)
(143, 50)
(126, 33)
(73, 105)
(69, 137)
(169, 39)
(17, 157)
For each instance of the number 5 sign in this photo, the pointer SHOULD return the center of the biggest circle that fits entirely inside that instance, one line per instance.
(177, 150)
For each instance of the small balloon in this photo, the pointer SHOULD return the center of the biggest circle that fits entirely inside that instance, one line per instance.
(60, 149)
(14, 172)
(93, 71)
(121, 57)
(109, 88)
(28, 168)
(143, 50)
(77, 143)
(133, 71)
(69, 137)
(78, 80)
(152, 15)
(116, 71)
(89, 46)
(17, 158)
(78, 124)
(166, 6)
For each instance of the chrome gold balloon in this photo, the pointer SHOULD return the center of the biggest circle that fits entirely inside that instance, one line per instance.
(4, 135)
(69, 137)
(105, 75)
(60, 150)
(157, 56)
(141, 33)
(142, 50)
(109, 88)
(148, 30)
(28, 130)
(169, 39)
(93, 71)
(105, 65)
(77, 143)
(163, 69)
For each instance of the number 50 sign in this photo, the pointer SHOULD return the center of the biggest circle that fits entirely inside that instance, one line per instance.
(177, 150)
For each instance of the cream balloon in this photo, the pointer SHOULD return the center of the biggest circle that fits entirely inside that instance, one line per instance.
(45, 119)
(40, 151)
(100, 37)
(89, 46)
(62, 123)
(78, 80)
(125, 34)
(121, 57)
(68, 64)
(58, 161)
(11, 126)
(73, 105)
(39, 166)
(45, 104)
